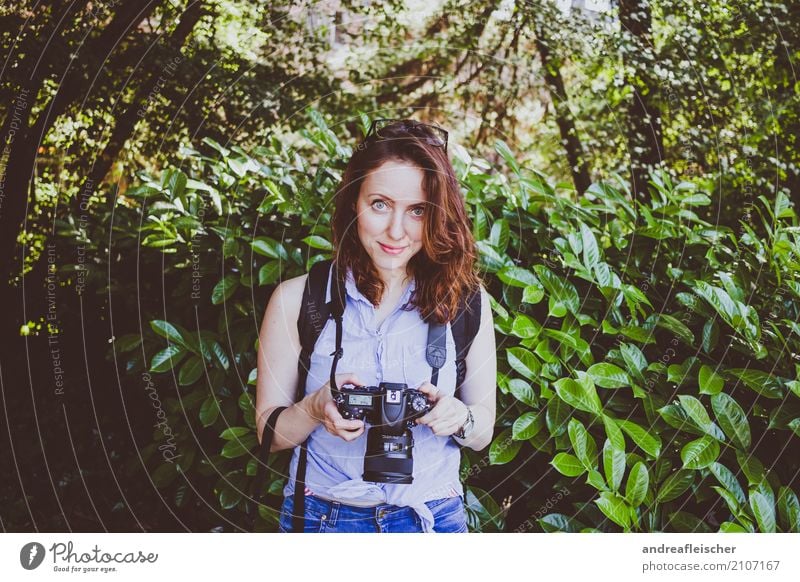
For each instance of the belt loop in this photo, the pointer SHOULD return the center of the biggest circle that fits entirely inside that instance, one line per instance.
(334, 513)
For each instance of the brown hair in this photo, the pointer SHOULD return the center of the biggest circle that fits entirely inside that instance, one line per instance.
(444, 269)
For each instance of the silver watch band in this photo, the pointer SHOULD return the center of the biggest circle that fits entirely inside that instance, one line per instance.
(466, 428)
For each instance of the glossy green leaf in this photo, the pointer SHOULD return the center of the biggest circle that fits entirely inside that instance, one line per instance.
(700, 453)
(191, 371)
(710, 382)
(648, 441)
(578, 395)
(567, 464)
(613, 465)
(614, 509)
(675, 485)
(167, 358)
(608, 375)
(732, 419)
(637, 484)
(764, 512)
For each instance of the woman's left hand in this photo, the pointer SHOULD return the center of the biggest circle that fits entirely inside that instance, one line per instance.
(447, 415)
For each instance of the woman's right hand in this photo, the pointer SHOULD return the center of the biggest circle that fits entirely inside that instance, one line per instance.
(327, 413)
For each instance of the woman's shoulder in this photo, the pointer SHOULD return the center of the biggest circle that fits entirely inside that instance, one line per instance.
(289, 294)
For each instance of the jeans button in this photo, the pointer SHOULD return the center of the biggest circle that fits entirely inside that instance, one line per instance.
(324, 517)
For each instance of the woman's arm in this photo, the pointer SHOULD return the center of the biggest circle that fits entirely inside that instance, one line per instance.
(278, 355)
(477, 392)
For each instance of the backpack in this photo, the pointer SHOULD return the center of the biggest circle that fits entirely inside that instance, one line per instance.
(314, 313)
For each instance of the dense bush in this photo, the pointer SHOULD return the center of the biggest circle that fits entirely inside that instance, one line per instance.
(647, 354)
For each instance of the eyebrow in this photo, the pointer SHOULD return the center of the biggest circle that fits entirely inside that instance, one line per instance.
(381, 195)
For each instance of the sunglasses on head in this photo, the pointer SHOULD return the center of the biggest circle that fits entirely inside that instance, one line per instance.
(390, 128)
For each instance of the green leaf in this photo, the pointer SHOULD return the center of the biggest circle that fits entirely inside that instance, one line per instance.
(700, 453)
(224, 289)
(220, 355)
(268, 247)
(169, 331)
(518, 277)
(608, 375)
(209, 411)
(234, 433)
(614, 509)
(591, 254)
(318, 242)
(503, 448)
(239, 447)
(191, 371)
(638, 482)
(522, 391)
(613, 465)
(614, 433)
(751, 467)
(524, 362)
(732, 419)
(674, 485)
(650, 443)
(710, 382)
(761, 382)
(582, 443)
(167, 358)
(533, 294)
(525, 327)
(633, 356)
(685, 522)
(677, 327)
(697, 412)
(728, 480)
(554, 522)
(728, 527)
(502, 148)
(764, 512)
(526, 426)
(789, 510)
(269, 273)
(579, 395)
(568, 465)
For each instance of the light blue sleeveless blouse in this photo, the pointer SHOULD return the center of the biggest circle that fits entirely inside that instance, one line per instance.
(393, 352)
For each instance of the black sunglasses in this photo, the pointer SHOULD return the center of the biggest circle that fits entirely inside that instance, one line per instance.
(389, 128)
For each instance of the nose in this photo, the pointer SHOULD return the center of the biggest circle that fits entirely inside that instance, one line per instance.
(396, 229)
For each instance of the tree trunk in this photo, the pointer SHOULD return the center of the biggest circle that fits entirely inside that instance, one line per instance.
(21, 152)
(127, 119)
(644, 117)
(576, 156)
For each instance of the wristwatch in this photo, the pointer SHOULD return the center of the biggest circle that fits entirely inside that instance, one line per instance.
(467, 427)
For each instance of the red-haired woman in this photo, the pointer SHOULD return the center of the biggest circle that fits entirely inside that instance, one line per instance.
(404, 247)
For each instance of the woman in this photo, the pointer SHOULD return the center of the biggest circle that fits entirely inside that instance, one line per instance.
(402, 236)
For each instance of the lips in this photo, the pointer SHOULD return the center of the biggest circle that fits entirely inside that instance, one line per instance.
(391, 250)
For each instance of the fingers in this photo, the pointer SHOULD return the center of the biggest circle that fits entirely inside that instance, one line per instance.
(431, 391)
(347, 378)
(336, 425)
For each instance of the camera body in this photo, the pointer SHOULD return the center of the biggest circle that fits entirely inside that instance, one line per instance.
(391, 408)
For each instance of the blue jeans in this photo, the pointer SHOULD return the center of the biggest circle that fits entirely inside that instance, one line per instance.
(323, 516)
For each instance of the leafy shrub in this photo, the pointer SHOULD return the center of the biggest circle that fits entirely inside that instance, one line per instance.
(645, 353)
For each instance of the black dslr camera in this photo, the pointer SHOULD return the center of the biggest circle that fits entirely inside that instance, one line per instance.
(391, 410)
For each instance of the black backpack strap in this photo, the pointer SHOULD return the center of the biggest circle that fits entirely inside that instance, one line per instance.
(464, 328)
(263, 456)
(314, 312)
(436, 352)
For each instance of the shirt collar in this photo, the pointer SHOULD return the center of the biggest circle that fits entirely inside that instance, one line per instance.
(352, 290)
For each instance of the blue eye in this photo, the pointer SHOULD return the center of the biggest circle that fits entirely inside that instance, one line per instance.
(379, 202)
(418, 211)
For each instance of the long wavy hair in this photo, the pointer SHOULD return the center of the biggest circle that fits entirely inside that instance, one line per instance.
(444, 269)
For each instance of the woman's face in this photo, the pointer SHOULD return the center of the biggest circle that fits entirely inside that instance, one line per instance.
(391, 206)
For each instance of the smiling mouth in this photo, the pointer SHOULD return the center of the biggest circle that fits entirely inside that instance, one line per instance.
(391, 250)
